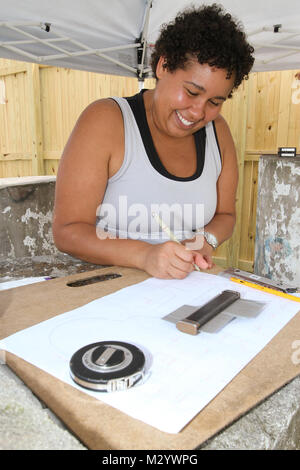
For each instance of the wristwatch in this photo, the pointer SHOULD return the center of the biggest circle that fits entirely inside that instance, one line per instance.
(209, 237)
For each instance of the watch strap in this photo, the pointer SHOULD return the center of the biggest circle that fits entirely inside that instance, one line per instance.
(209, 237)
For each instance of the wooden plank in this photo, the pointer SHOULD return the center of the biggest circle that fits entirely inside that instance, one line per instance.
(248, 227)
(284, 109)
(261, 151)
(52, 154)
(35, 117)
(294, 122)
(246, 265)
(251, 111)
(234, 246)
(51, 167)
(253, 155)
(246, 211)
(14, 156)
(221, 261)
(48, 79)
(3, 126)
(14, 141)
(13, 69)
(252, 215)
(270, 108)
(13, 168)
(234, 112)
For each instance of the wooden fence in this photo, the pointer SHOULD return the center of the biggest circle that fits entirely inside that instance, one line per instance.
(39, 106)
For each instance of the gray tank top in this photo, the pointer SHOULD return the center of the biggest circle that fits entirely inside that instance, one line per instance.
(141, 188)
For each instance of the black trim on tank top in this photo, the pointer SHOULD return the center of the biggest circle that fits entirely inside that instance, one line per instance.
(215, 131)
(136, 104)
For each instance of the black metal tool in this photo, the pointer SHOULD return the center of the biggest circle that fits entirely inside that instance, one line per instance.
(108, 366)
(193, 322)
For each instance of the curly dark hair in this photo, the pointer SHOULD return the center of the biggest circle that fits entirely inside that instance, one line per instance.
(211, 35)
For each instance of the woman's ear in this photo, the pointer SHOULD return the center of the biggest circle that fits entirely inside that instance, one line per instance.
(161, 67)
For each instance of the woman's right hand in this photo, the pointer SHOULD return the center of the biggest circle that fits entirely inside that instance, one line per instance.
(169, 260)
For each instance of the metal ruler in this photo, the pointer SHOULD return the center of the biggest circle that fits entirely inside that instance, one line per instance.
(262, 281)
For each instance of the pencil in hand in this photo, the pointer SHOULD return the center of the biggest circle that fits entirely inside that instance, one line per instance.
(170, 234)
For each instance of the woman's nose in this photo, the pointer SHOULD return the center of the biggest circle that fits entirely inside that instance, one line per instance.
(197, 111)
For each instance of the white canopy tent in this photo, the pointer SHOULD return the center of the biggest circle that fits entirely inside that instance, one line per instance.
(115, 36)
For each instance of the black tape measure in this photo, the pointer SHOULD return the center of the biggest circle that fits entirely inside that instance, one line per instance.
(108, 366)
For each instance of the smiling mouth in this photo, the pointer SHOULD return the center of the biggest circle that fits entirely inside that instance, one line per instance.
(185, 122)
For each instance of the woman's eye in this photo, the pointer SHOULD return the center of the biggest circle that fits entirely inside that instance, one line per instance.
(191, 92)
(214, 103)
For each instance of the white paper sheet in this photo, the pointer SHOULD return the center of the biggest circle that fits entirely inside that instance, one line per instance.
(20, 282)
(185, 372)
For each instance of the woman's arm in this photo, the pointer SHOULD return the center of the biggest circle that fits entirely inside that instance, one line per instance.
(223, 222)
(94, 152)
(81, 182)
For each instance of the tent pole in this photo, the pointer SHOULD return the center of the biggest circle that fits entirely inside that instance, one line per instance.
(143, 40)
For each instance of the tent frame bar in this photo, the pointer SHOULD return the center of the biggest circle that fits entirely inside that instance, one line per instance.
(12, 45)
(276, 29)
(141, 44)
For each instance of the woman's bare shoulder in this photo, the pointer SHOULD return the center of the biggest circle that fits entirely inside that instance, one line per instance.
(225, 139)
(106, 111)
(221, 126)
(98, 130)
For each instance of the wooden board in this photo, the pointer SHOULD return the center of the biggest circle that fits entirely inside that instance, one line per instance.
(100, 426)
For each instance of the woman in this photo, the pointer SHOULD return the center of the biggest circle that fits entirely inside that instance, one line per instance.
(166, 150)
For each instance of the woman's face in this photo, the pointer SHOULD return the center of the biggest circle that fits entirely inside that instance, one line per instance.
(187, 99)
